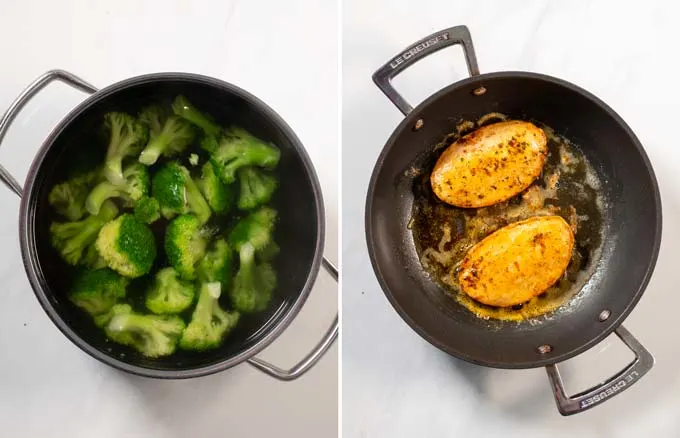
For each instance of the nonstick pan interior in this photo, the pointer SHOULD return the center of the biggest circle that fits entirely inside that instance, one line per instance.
(632, 221)
(298, 200)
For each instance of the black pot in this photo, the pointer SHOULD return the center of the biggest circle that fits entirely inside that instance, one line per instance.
(300, 231)
(631, 222)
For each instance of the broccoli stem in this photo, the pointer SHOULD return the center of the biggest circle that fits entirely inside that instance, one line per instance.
(113, 170)
(197, 203)
(153, 150)
(183, 108)
(103, 191)
(71, 238)
(87, 235)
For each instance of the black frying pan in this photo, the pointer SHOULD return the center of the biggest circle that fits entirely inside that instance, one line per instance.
(632, 221)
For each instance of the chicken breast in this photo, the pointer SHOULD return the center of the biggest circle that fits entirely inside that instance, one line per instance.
(517, 262)
(490, 165)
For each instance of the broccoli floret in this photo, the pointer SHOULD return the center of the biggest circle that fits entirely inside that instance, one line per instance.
(220, 196)
(168, 134)
(253, 284)
(177, 193)
(184, 109)
(210, 143)
(97, 291)
(127, 137)
(92, 259)
(71, 239)
(128, 246)
(68, 197)
(269, 252)
(185, 244)
(237, 149)
(151, 335)
(257, 188)
(209, 323)
(193, 159)
(169, 294)
(104, 318)
(136, 185)
(216, 265)
(256, 229)
(147, 210)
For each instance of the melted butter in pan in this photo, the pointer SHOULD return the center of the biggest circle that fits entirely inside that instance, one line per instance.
(568, 187)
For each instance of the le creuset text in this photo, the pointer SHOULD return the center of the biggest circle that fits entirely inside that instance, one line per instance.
(417, 49)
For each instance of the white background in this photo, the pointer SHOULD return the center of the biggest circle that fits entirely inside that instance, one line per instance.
(283, 52)
(394, 383)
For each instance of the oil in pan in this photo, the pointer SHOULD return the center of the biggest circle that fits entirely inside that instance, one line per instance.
(568, 186)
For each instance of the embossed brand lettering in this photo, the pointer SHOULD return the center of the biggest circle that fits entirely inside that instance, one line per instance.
(417, 49)
(613, 388)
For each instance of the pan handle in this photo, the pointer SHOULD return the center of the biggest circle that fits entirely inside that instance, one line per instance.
(416, 52)
(592, 397)
(313, 357)
(23, 99)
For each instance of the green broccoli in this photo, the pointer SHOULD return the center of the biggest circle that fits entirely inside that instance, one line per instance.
(177, 193)
(185, 244)
(217, 263)
(104, 318)
(210, 143)
(168, 134)
(151, 335)
(239, 149)
(268, 252)
(184, 109)
(147, 210)
(97, 291)
(92, 259)
(256, 229)
(68, 197)
(127, 137)
(135, 186)
(253, 284)
(71, 239)
(220, 196)
(257, 188)
(128, 246)
(169, 294)
(209, 323)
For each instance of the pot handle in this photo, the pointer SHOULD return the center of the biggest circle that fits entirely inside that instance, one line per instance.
(416, 52)
(23, 99)
(313, 357)
(568, 405)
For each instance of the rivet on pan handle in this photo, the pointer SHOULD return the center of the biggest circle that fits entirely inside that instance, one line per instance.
(23, 99)
(416, 52)
(592, 397)
(313, 357)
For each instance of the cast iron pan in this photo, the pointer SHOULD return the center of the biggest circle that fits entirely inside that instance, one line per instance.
(632, 221)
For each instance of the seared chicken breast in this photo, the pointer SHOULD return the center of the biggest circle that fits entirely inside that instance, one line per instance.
(517, 262)
(490, 165)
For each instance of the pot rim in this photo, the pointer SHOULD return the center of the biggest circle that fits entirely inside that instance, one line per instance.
(30, 256)
(408, 121)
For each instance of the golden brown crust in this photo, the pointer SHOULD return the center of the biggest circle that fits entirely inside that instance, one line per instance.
(490, 165)
(517, 262)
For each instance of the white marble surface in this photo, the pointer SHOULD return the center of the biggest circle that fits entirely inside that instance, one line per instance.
(283, 52)
(394, 383)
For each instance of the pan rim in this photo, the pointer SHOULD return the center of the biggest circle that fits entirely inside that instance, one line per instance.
(27, 227)
(408, 121)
